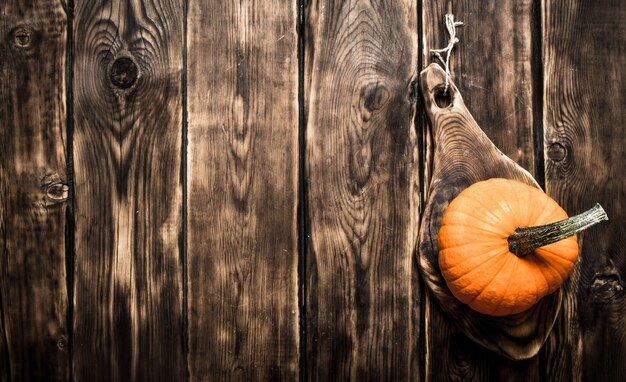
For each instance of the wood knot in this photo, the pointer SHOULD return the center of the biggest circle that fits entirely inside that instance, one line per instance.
(22, 37)
(373, 98)
(607, 286)
(57, 191)
(61, 343)
(124, 73)
(556, 152)
(54, 189)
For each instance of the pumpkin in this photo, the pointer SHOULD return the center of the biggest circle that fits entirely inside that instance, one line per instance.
(503, 245)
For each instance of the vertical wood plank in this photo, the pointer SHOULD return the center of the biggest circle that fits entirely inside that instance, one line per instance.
(363, 190)
(128, 192)
(243, 187)
(33, 192)
(584, 85)
(491, 66)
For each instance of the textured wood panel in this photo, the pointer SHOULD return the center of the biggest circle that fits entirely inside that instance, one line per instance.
(362, 194)
(243, 189)
(491, 66)
(33, 192)
(463, 156)
(584, 52)
(127, 155)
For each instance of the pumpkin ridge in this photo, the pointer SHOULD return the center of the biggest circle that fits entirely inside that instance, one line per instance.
(506, 289)
(530, 209)
(489, 283)
(546, 211)
(461, 290)
(479, 202)
(549, 253)
(498, 234)
(491, 257)
(522, 215)
(501, 220)
(499, 182)
(549, 213)
(535, 285)
(473, 215)
(553, 264)
(554, 253)
(547, 265)
(466, 244)
(467, 194)
(473, 301)
(555, 259)
(545, 278)
(479, 216)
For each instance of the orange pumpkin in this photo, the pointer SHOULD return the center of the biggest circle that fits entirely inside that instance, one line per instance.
(503, 245)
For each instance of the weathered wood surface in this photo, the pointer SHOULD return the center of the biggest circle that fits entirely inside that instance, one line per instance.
(128, 307)
(492, 68)
(243, 191)
(584, 56)
(362, 194)
(175, 254)
(464, 155)
(33, 192)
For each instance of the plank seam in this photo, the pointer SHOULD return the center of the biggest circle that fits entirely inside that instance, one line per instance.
(420, 126)
(69, 155)
(183, 174)
(536, 67)
(302, 195)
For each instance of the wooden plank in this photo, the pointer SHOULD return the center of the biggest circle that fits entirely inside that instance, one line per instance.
(584, 87)
(33, 192)
(491, 66)
(464, 360)
(128, 309)
(464, 155)
(243, 187)
(363, 190)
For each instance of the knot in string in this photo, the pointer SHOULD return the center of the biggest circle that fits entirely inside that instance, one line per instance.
(451, 27)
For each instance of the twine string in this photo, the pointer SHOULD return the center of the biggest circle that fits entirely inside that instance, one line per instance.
(451, 27)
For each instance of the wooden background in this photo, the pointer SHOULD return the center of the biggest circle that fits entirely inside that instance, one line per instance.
(231, 190)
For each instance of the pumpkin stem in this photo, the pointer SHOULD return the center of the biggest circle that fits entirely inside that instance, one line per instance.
(526, 239)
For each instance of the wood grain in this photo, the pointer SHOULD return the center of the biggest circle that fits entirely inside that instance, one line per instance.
(491, 66)
(127, 155)
(464, 359)
(33, 192)
(243, 190)
(362, 194)
(464, 155)
(584, 85)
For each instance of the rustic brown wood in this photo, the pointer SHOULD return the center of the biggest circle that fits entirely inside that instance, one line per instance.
(33, 192)
(491, 66)
(128, 194)
(243, 189)
(452, 356)
(463, 155)
(125, 291)
(584, 86)
(362, 194)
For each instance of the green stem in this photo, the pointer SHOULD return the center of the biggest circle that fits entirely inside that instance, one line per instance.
(526, 239)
